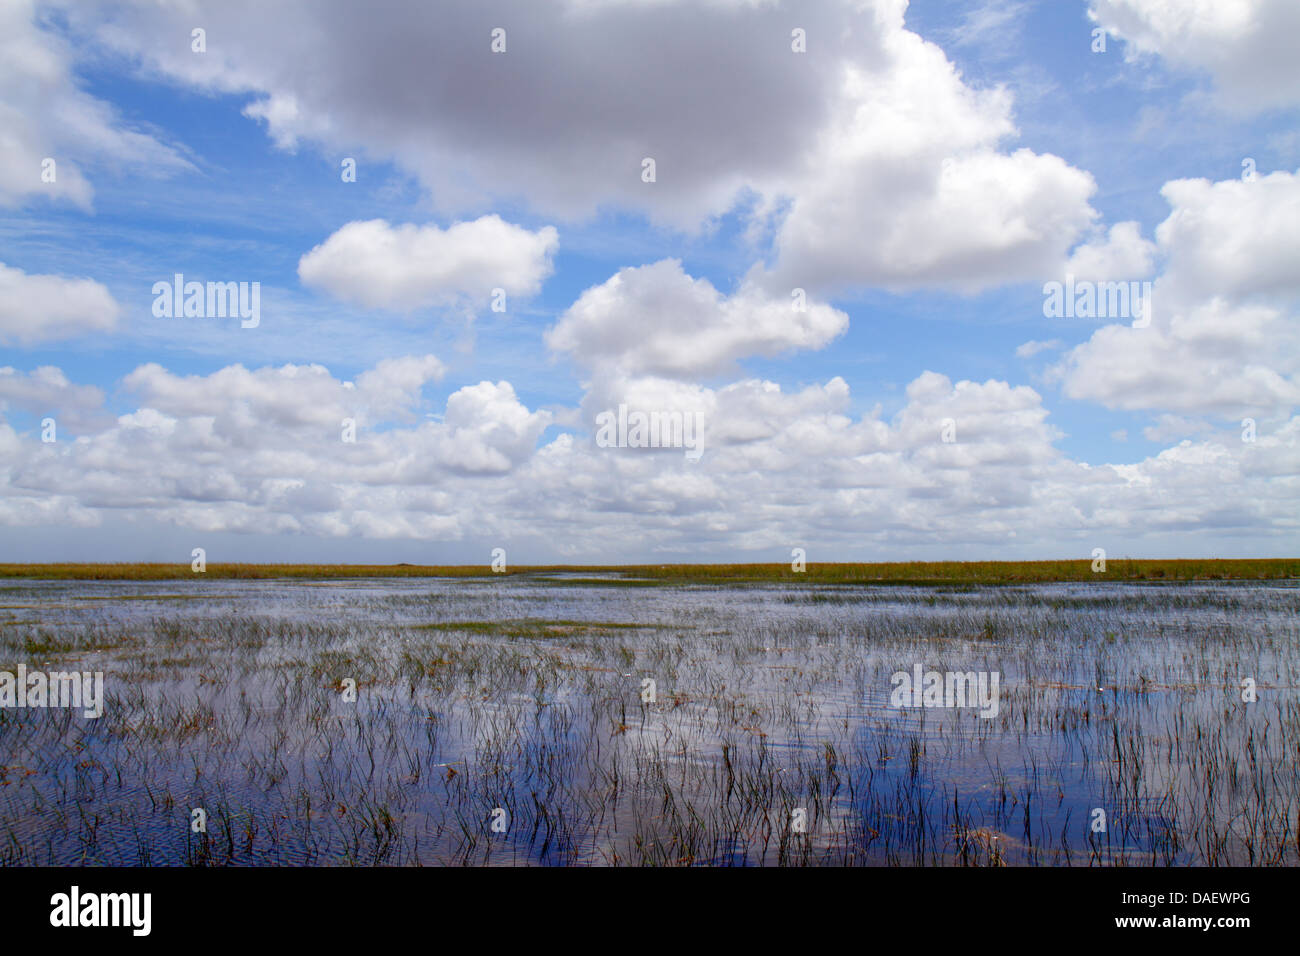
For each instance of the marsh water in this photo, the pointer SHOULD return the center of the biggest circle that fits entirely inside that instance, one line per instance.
(580, 720)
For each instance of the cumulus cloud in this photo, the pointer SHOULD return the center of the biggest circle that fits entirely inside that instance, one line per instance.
(551, 120)
(487, 429)
(1122, 255)
(991, 422)
(1232, 238)
(47, 308)
(658, 320)
(782, 468)
(45, 115)
(249, 403)
(912, 188)
(264, 450)
(869, 157)
(1214, 359)
(406, 267)
(1246, 45)
(45, 389)
(869, 161)
(1224, 339)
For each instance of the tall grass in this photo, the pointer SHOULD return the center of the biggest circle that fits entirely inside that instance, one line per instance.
(921, 573)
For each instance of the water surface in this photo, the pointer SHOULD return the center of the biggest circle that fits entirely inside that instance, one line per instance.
(770, 738)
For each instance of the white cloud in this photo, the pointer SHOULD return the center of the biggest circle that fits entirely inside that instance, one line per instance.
(869, 161)
(1232, 238)
(487, 429)
(1122, 255)
(910, 187)
(46, 308)
(1214, 359)
(1224, 339)
(212, 453)
(1174, 427)
(992, 422)
(892, 169)
(657, 320)
(245, 405)
(393, 383)
(1033, 347)
(45, 115)
(990, 25)
(406, 267)
(1248, 46)
(45, 389)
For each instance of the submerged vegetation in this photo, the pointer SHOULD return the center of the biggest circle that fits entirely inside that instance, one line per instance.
(393, 722)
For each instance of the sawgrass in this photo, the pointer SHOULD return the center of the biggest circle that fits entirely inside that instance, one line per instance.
(935, 573)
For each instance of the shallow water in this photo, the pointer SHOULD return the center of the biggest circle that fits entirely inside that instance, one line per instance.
(771, 738)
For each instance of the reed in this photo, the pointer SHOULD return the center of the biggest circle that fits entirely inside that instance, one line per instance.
(917, 573)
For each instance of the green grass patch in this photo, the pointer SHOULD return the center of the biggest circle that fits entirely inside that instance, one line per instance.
(531, 628)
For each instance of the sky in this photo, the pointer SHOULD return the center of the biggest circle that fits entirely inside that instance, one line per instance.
(826, 234)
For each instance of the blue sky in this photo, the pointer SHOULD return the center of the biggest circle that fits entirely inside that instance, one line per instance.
(187, 178)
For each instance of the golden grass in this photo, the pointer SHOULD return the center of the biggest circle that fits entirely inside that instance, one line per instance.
(916, 572)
